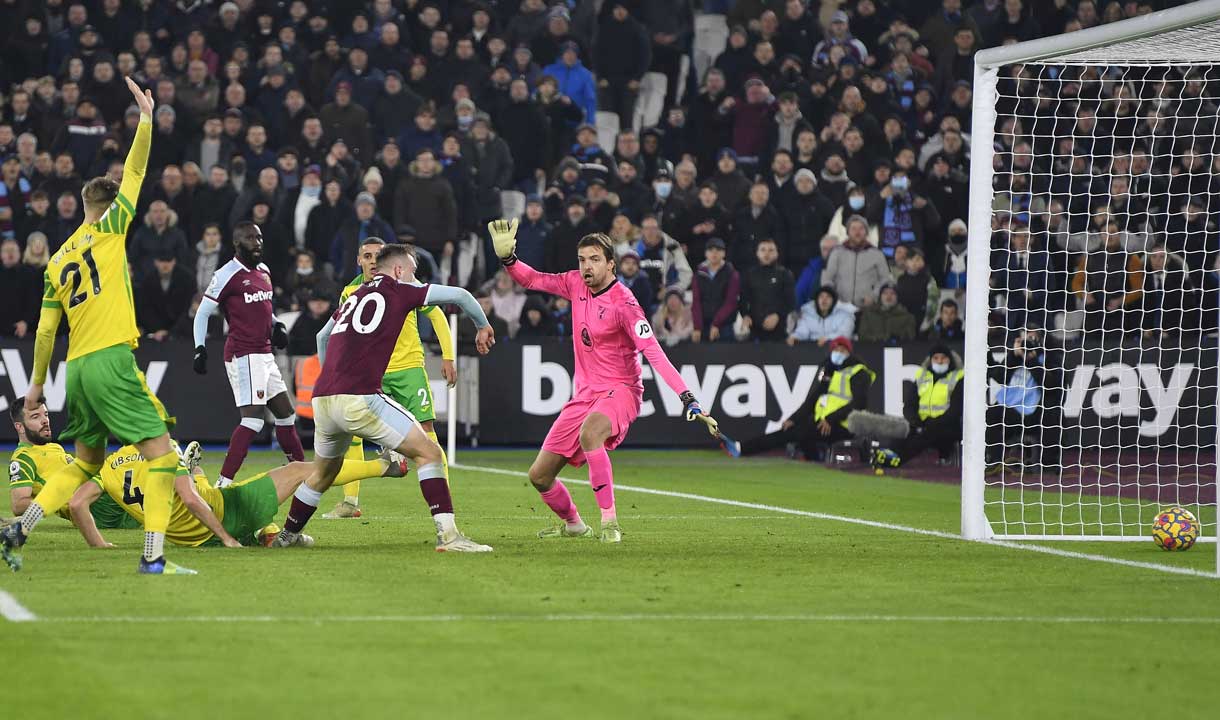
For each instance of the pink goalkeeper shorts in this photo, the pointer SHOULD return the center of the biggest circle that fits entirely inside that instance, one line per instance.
(620, 404)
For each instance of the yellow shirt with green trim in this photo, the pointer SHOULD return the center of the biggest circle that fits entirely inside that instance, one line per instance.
(31, 465)
(124, 477)
(88, 278)
(409, 350)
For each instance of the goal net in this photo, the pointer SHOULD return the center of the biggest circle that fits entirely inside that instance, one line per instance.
(1091, 288)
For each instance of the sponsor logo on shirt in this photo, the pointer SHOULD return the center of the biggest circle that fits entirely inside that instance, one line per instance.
(257, 297)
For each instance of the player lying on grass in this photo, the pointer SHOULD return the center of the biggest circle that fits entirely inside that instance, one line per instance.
(608, 333)
(355, 347)
(87, 279)
(405, 380)
(233, 515)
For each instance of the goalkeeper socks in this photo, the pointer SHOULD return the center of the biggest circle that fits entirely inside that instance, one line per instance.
(601, 477)
(239, 445)
(286, 436)
(59, 488)
(154, 545)
(559, 500)
(304, 504)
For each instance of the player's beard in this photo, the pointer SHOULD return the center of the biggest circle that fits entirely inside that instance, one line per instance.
(247, 258)
(34, 437)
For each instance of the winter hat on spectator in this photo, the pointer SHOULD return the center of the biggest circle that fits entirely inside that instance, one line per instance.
(132, 110)
(838, 17)
(715, 243)
(234, 113)
(568, 162)
(575, 199)
(629, 253)
(312, 170)
(464, 103)
(727, 152)
(343, 86)
(229, 7)
(366, 197)
(753, 81)
(841, 341)
(665, 170)
(957, 224)
(165, 255)
(806, 172)
(586, 126)
(558, 12)
(570, 46)
(482, 117)
(373, 174)
(533, 198)
(167, 110)
(395, 74)
(856, 217)
(406, 232)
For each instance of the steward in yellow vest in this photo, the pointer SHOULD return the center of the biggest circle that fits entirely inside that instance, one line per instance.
(933, 407)
(841, 386)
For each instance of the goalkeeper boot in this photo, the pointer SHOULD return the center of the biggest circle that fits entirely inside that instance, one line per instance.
(455, 541)
(397, 465)
(343, 511)
(11, 540)
(161, 566)
(611, 532)
(563, 530)
(732, 447)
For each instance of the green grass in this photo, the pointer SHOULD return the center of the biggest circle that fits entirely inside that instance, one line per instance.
(705, 611)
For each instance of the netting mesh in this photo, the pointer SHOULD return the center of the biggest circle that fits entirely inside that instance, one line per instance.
(1103, 312)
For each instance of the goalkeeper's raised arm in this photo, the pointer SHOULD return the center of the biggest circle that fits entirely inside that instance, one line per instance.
(504, 238)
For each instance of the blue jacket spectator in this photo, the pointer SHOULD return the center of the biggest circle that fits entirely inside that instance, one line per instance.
(533, 234)
(810, 278)
(366, 82)
(575, 80)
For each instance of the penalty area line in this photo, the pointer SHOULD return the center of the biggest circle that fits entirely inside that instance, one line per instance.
(14, 611)
(940, 534)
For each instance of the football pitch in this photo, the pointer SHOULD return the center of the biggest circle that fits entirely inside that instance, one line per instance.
(743, 589)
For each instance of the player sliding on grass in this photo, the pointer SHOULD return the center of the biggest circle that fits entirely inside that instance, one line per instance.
(233, 516)
(608, 332)
(106, 393)
(355, 347)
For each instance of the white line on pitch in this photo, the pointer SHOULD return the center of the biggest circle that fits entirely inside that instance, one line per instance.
(14, 611)
(643, 617)
(1057, 552)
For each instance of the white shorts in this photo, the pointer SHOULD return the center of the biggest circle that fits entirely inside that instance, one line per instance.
(255, 379)
(375, 418)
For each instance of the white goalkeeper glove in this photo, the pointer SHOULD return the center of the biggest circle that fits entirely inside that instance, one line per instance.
(503, 237)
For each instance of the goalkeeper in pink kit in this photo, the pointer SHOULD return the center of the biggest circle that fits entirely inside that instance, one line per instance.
(609, 331)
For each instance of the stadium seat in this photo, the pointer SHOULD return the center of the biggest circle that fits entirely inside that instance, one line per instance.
(512, 202)
(711, 36)
(607, 131)
(652, 100)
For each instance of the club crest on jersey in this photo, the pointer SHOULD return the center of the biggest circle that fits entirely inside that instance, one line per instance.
(261, 393)
(584, 337)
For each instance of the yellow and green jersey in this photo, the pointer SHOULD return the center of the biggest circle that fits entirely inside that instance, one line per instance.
(31, 465)
(409, 350)
(123, 478)
(88, 278)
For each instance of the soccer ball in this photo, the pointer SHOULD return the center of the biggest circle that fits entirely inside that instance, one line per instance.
(1175, 529)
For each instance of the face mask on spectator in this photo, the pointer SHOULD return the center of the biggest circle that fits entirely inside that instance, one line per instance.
(838, 357)
(900, 183)
(465, 121)
(940, 368)
(663, 189)
(856, 202)
(305, 271)
(314, 191)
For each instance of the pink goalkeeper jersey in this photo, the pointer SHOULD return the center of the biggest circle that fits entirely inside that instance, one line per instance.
(609, 331)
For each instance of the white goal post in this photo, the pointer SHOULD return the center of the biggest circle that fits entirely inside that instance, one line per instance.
(1090, 302)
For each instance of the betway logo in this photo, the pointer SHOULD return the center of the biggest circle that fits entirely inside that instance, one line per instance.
(260, 296)
(12, 367)
(1120, 390)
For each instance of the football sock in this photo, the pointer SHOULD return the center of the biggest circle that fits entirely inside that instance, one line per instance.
(304, 503)
(239, 445)
(286, 436)
(445, 523)
(435, 487)
(560, 501)
(353, 471)
(59, 488)
(601, 477)
(158, 502)
(444, 459)
(351, 491)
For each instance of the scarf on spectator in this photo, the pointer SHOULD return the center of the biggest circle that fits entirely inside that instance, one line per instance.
(896, 225)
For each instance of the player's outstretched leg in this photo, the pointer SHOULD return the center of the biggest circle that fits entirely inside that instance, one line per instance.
(434, 484)
(544, 476)
(594, 432)
(58, 490)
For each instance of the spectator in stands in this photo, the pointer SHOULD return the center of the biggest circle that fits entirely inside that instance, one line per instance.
(574, 80)
(566, 234)
(637, 282)
(662, 258)
(347, 120)
(302, 338)
(810, 278)
(352, 232)
(903, 216)
(1021, 280)
(939, 30)
(1108, 280)
(20, 292)
(634, 198)
(768, 295)
(621, 57)
(1021, 377)
(948, 326)
(823, 318)
(425, 201)
(466, 328)
(593, 161)
(886, 321)
(670, 24)
(732, 186)
(806, 215)
(165, 296)
(706, 219)
(82, 136)
(519, 124)
(1170, 301)
(623, 234)
(37, 217)
(917, 290)
(751, 121)
(533, 234)
(856, 270)
(507, 299)
(492, 164)
(716, 288)
(267, 185)
(755, 222)
(67, 219)
(672, 321)
(37, 251)
(536, 320)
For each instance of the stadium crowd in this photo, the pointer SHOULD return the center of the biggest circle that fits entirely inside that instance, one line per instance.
(805, 180)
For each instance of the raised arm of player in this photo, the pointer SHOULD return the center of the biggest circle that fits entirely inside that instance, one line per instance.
(504, 238)
(123, 211)
(85, 496)
(184, 485)
(445, 295)
(636, 325)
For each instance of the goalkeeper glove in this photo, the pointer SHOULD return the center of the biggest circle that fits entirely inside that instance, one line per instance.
(694, 412)
(201, 360)
(503, 237)
(279, 336)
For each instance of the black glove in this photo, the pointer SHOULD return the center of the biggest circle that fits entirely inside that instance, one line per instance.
(279, 336)
(201, 360)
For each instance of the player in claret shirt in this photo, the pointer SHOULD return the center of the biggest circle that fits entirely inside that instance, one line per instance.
(348, 401)
(609, 332)
(242, 290)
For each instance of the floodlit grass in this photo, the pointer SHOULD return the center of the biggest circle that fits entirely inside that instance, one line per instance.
(706, 611)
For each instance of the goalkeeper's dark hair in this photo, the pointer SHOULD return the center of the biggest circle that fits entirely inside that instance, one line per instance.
(16, 411)
(393, 251)
(598, 240)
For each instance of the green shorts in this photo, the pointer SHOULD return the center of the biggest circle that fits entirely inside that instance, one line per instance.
(109, 516)
(410, 388)
(250, 506)
(108, 395)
